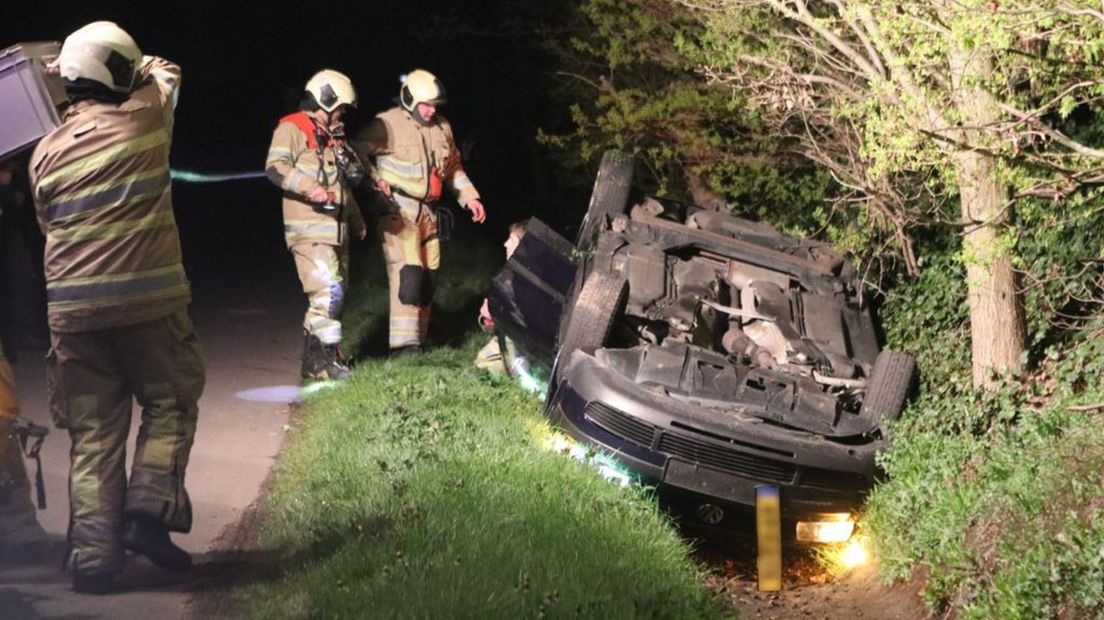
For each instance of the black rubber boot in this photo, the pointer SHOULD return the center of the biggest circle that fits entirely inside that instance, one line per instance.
(151, 539)
(323, 362)
(312, 357)
(335, 363)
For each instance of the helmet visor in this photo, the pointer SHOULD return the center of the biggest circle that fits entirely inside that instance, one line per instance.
(119, 67)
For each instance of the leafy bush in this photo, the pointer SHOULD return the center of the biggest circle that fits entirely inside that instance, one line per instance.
(997, 496)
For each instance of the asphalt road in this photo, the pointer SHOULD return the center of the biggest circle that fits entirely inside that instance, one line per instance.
(247, 312)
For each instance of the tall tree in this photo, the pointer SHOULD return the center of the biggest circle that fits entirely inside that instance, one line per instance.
(919, 106)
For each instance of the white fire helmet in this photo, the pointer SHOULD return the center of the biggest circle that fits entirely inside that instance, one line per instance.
(421, 86)
(331, 90)
(101, 52)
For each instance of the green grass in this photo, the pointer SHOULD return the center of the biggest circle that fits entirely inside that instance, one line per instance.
(1009, 525)
(419, 490)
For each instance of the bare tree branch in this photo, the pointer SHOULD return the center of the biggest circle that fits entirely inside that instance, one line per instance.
(1053, 134)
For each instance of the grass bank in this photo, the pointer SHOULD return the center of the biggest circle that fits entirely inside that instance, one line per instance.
(418, 490)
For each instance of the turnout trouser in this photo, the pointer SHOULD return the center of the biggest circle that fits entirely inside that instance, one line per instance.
(91, 378)
(412, 251)
(17, 513)
(323, 273)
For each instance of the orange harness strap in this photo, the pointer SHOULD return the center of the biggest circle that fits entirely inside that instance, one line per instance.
(305, 124)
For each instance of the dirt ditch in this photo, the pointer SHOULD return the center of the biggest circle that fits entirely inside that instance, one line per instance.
(808, 590)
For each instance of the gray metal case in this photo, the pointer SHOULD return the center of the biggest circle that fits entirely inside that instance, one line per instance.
(29, 99)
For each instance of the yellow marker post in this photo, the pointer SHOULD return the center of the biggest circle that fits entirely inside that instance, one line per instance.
(768, 526)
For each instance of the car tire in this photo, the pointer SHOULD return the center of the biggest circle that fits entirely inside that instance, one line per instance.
(609, 197)
(891, 384)
(600, 300)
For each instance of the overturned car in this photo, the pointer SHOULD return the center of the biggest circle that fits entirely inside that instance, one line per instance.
(710, 354)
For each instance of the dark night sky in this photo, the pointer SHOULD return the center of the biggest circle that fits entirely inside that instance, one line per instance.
(242, 62)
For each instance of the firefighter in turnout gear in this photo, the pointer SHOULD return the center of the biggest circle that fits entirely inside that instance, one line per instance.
(311, 162)
(117, 301)
(18, 526)
(415, 159)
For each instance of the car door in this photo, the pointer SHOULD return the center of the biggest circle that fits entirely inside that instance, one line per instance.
(527, 296)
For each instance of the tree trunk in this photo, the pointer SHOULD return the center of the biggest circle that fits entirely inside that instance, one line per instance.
(996, 312)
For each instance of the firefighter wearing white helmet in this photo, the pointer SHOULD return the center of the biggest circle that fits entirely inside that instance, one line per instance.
(100, 53)
(309, 159)
(416, 158)
(331, 90)
(421, 87)
(117, 299)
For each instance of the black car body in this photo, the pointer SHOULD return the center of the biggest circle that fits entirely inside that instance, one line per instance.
(708, 353)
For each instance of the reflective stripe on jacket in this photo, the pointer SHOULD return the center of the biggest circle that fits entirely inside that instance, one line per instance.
(405, 152)
(103, 196)
(297, 166)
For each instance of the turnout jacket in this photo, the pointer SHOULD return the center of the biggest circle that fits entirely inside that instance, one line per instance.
(297, 164)
(102, 193)
(406, 151)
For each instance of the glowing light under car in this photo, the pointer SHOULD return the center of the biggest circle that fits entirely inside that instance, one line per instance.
(831, 528)
(854, 554)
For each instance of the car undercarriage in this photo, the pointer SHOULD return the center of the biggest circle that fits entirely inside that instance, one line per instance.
(707, 352)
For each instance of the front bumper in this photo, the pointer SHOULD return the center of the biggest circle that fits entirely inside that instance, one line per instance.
(721, 455)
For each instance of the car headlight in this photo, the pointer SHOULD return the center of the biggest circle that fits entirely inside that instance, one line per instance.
(829, 528)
